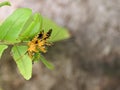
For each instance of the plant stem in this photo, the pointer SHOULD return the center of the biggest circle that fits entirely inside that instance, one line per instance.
(5, 3)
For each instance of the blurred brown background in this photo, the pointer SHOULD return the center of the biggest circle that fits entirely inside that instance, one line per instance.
(89, 60)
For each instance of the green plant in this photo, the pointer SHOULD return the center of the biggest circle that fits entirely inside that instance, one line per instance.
(5, 3)
(18, 29)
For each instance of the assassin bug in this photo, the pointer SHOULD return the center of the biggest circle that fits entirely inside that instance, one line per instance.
(39, 43)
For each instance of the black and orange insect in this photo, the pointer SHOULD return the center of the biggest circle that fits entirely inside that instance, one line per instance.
(39, 43)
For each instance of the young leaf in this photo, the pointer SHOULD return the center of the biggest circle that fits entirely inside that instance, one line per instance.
(2, 48)
(33, 29)
(46, 63)
(23, 61)
(12, 26)
(58, 33)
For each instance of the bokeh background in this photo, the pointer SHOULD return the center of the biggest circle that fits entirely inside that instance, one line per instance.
(89, 60)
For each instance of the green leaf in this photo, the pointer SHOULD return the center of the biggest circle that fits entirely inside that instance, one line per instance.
(37, 57)
(58, 33)
(22, 25)
(23, 61)
(12, 26)
(2, 48)
(46, 63)
(5, 3)
(33, 29)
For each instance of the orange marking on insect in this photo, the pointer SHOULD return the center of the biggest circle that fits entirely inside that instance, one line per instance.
(39, 43)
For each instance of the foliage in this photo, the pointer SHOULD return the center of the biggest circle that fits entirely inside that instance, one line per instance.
(18, 29)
